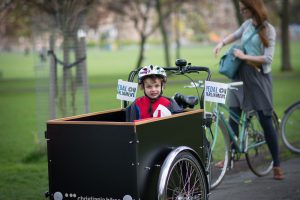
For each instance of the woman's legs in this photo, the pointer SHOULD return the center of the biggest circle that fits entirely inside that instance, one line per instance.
(272, 141)
(271, 136)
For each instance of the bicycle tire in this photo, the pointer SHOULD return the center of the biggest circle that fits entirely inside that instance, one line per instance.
(276, 122)
(185, 179)
(257, 152)
(219, 153)
(290, 126)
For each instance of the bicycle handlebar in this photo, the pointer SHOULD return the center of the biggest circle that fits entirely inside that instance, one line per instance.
(180, 70)
(188, 69)
(182, 67)
(235, 83)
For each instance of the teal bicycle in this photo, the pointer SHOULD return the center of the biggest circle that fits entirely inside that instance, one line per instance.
(226, 147)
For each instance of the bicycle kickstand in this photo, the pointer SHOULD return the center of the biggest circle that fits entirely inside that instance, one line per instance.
(231, 163)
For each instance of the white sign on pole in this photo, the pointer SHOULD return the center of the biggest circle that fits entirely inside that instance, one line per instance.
(215, 92)
(126, 91)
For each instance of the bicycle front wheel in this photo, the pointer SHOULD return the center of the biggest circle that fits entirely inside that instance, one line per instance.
(258, 155)
(290, 128)
(185, 179)
(220, 151)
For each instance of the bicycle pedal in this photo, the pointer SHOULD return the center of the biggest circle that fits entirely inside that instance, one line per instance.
(232, 154)
(230, 165)
(237, 157)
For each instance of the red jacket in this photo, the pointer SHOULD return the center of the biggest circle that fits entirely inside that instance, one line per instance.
(140, 108)
(143, 106)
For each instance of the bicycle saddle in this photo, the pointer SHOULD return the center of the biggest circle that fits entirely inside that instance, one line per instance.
(185, 101)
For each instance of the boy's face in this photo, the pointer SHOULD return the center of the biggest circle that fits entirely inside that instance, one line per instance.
(152, 87)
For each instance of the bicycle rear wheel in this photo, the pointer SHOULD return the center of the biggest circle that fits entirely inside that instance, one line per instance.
(258, 155)
(220, 152)
(290, 128)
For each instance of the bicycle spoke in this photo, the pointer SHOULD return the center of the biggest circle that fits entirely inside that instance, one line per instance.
(185, 181)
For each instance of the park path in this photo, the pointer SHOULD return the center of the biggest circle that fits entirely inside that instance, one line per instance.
(244, 185)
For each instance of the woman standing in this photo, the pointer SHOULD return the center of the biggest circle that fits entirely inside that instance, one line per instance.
(255, 72)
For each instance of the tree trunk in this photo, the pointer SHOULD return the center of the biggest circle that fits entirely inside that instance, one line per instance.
(78, 55)
(237, 11)
(52, 80)
(73, 80)
(163, 33)
(85, 86)
(285, 45)
(66, 74)
(142, 50)
(177, 34)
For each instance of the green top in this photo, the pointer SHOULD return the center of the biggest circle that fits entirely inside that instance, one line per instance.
(255, 46)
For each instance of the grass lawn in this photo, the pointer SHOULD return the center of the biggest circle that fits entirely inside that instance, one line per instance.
(23, 173)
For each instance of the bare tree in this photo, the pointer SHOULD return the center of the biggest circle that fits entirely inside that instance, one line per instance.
(147, 16)
(164, 9)
(189, 13)
(139, 12)
(177, 32)
(285, 42)
(14, 22)
(162, 25)
(282, 9)
(68, 17)
(5, 7)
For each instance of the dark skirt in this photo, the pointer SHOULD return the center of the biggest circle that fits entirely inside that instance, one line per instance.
(256, 92)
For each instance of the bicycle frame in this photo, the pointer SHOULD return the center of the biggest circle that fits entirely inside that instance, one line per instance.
(239, 145)
(237, 141)
(250, 141)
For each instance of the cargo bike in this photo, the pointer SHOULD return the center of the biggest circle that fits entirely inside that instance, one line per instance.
(101, 156)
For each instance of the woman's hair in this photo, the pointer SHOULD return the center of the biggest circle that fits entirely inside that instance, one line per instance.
(257, 7)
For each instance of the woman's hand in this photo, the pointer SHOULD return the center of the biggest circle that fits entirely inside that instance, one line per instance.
(239, 54)
(218, 48)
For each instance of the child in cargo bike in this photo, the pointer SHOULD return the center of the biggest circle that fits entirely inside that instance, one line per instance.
(152, 80)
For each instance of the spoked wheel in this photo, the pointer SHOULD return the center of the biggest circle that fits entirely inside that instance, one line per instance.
(183, 179)
(290, 128)
(258, 154)
(220, 152)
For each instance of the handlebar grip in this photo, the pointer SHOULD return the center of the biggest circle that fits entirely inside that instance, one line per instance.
(198, 68)
(189, 69)
(170, 68)
(236, 83)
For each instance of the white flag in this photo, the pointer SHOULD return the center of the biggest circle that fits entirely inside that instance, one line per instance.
(215, 92)
(126, 91)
